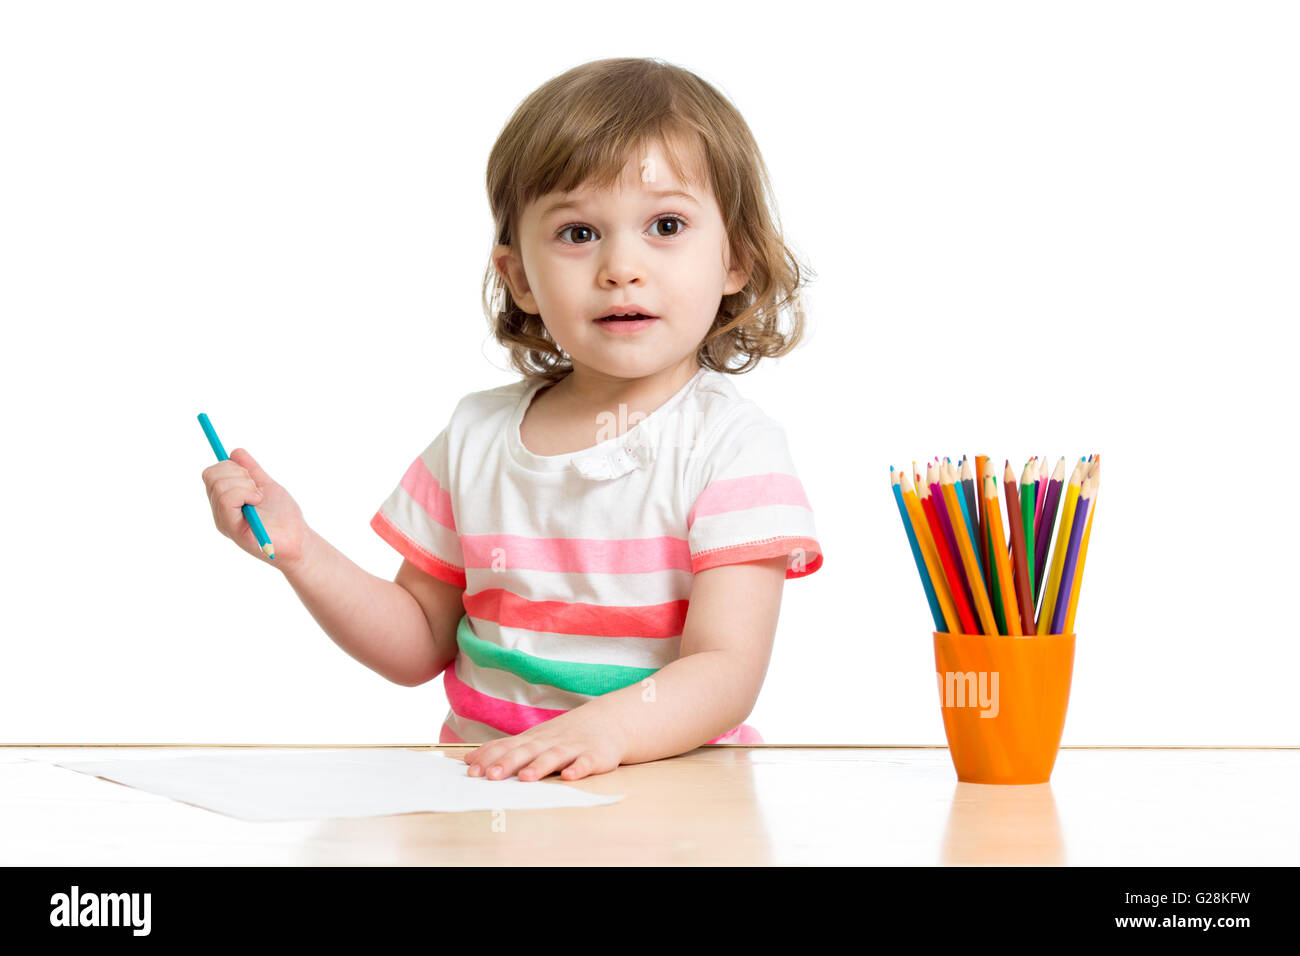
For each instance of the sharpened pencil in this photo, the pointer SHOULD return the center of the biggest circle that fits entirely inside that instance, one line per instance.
(1071, 558)
(1015, 517)
(950, 572)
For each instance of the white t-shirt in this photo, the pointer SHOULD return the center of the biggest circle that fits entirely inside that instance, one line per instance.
(577, 568)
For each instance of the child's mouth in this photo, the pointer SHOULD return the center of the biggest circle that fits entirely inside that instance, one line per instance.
(626, 324)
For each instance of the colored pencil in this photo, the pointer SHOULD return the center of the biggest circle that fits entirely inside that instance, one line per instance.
(1027, 518)
(966, 548)
(933, 479)
(1043, 527)
(1058, 550)
(1083, 550)
(1019, 554)
(999, 556)
(1040, 487)
(250, 513)
(933, 566)
(968, 516)
(950, 572)
(1071, 558)
(984, 521)
(930, 597)
(972, 515)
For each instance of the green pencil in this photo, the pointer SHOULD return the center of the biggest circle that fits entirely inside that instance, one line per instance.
(1027, 501)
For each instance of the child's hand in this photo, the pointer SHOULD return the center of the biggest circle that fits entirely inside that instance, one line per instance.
(574, 743)
(239, 481)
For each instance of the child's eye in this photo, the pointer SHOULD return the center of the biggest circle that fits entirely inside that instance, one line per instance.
(577, 226)
(678, 224)
(678, 221)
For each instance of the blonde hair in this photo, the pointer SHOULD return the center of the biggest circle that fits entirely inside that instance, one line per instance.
(582, 127)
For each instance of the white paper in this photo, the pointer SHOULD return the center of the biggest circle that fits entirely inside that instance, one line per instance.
(323, 784)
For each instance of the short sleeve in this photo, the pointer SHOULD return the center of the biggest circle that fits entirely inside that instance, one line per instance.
(752, 505)
(417, 518)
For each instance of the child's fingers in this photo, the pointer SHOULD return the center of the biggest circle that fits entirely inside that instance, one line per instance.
(229, 495)
(246, 461)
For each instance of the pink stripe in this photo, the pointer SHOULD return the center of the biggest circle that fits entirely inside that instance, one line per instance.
(751, 491)
(577, 555)
(744, 734)
(502, 715)
(560, 617)
(511, 718)
(428, 494)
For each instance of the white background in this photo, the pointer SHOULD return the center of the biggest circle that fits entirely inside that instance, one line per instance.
(1037, 228)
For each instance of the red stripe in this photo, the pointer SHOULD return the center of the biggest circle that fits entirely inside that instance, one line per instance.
(759, 550)
(560, 617)
(411, 550)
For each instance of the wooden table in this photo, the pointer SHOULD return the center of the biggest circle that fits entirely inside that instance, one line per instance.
(715, 805)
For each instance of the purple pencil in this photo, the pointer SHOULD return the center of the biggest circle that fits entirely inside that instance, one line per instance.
(1071, 557)
(1043, 527)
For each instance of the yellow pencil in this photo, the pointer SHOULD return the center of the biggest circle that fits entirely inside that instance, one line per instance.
(948, 474)
(1058, 550)
(1095, 473)
(933, 566)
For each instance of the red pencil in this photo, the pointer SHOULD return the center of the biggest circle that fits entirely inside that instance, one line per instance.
(964, 610)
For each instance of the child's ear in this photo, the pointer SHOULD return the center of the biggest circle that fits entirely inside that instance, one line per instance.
(737, 275)
(511, 268)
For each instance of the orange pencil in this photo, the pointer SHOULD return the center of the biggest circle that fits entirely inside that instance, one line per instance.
(1006, 586)
(947, 478)
(930, 556)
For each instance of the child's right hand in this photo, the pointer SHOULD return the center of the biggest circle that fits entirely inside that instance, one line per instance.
(239, 481)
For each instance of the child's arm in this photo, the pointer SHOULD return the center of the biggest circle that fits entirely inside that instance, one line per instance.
(708, 690)
(387, 625)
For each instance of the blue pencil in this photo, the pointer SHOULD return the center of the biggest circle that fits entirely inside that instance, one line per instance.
(966, 499)
(939, 623)
(250, 513)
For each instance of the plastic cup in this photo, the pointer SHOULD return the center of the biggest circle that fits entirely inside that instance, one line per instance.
(1003, 700)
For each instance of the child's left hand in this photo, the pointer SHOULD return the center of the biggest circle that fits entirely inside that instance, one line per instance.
(574, 743)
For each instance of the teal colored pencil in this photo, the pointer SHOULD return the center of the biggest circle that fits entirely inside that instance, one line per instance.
(250, 513)
(971, 526)
(935, 610)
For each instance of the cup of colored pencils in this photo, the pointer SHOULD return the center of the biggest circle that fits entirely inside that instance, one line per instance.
(1003, 597)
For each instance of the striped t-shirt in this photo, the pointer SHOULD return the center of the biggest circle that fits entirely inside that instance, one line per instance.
(577, 568)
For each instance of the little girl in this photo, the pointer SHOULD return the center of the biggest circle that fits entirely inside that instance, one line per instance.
(593, 555)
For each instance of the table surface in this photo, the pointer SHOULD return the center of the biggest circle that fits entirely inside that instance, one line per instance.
(725, 805)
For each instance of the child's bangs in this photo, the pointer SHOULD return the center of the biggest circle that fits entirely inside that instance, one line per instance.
(600, 162)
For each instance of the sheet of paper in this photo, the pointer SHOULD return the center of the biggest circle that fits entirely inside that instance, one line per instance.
(322, 784)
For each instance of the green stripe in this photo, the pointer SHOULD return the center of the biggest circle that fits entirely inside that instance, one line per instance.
(590, 679)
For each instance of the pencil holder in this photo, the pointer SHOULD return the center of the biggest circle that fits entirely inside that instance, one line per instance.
(1003, 700)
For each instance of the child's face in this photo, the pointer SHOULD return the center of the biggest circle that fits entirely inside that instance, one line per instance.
(666, 255)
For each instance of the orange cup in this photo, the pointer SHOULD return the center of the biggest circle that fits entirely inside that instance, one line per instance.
(1003, 700)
